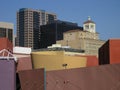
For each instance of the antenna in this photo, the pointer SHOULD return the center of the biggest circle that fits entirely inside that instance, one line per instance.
(89, 18)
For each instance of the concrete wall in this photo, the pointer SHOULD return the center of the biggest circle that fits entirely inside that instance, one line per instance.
(48, 62)
(87, 41)
(6, 25)
(7, 75)
(55, 60)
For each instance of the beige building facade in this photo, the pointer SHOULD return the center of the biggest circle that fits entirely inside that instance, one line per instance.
(56, 60)
(87, 40)
(6, 30)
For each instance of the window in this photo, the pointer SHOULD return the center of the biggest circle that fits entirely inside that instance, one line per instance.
(86, 26)
(92, 26)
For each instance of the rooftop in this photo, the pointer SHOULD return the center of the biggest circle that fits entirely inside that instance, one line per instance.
(89, 21)
(61, 49)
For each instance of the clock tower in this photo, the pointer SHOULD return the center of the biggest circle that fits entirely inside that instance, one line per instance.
(89, 26)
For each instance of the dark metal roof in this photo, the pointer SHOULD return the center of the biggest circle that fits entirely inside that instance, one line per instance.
(105, 77)
(32, 79)
(88, 21)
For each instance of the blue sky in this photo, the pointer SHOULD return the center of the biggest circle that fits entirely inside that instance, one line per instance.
(105, 13)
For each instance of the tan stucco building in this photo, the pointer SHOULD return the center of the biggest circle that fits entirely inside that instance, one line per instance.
(87, 39)
(56, 60)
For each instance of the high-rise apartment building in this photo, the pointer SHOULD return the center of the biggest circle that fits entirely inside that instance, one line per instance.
(28, 26)
(6, 30)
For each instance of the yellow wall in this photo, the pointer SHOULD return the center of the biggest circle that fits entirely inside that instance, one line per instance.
(56, 60)
(49, 52)
(74, 61)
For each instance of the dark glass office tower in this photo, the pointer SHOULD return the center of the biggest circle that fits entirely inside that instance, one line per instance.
(52, 32)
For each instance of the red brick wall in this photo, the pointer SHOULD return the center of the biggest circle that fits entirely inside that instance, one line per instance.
(92, 61)
(6, 44)
(115, 51)
(24, 64)
(109, 53)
